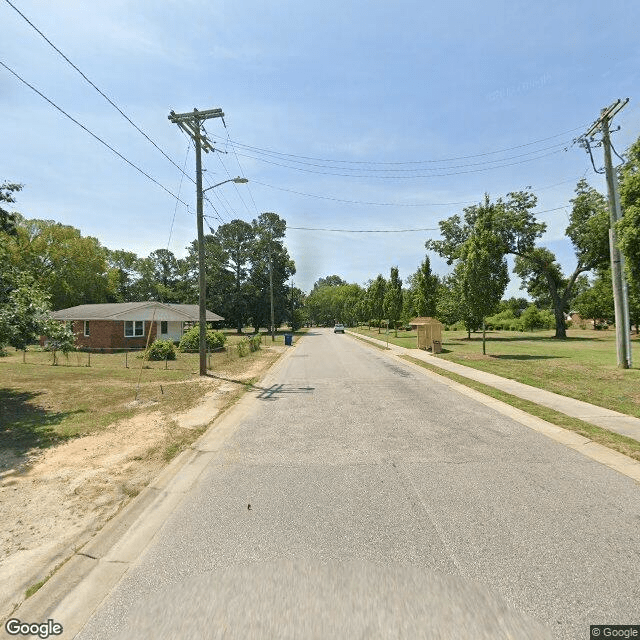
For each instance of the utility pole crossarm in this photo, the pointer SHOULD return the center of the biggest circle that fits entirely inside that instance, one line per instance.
(606, 114)
(195, 115)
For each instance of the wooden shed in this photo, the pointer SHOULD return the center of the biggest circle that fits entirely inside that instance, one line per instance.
(429, 333)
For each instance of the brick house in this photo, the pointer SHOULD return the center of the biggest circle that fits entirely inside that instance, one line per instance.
(128, 325)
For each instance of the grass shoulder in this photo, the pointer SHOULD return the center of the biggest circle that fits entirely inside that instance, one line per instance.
(582, 366)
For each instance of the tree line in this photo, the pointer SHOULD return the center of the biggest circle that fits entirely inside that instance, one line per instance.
(58, 267)
(46, 265)
(476, 243)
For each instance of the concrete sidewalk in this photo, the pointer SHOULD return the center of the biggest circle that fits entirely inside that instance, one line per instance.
(598, 416)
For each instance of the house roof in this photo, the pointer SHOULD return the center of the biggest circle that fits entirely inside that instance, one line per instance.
(424, 320)
(135, 311)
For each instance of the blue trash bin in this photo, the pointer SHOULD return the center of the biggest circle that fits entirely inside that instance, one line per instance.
(288, 339)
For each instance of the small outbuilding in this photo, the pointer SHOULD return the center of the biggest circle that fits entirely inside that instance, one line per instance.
(429, 332)
(127, 325)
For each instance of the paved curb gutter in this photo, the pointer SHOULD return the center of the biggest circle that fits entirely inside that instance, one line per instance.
(74, 592)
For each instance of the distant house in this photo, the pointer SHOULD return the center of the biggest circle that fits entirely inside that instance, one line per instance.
(127, 325)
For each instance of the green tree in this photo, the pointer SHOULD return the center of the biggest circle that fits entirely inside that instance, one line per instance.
(515, 305)
(329, 281)
(156, 277)
(218, 279)
(392, 302)
(376, 293)
(270, 264)
(300, 316)
(452, 304)
(588, 231)
(518, 231)
(60, 337)
(408, 306)
(634, 305)
(8, 219)
(596, 302)
(24, 317)
(424, 290)
(71, 268)
(531, 318)
(122, 275)
(236, 239)
(484, 267)
(328, 304)
(628, 228)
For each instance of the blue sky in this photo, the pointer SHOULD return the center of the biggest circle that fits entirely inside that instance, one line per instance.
(341, 86)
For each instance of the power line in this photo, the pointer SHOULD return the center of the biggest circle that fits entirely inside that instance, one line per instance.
(205, 196)
(390, 204)
(393, 230)
(106, 97)
(230, 178)
(404, 177)
(485, 163)
(175, 209)
(93, 135)
(364, 230)
(241, 170)
(466, 157)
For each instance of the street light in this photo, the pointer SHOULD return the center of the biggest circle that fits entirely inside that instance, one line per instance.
(201, 270)
(237, 180)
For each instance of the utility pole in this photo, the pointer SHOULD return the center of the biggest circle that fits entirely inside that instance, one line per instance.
(273, 322)
(292, 309)
(620, 293)
(191, 124)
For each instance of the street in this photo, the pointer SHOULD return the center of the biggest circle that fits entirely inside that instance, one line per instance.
(360, 497)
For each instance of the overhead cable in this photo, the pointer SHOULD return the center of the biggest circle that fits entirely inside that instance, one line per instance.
(93, 135)
(106, 97)
(241, 170)
(405, 177)
(390, 204)
(466, 157)
(485, 163)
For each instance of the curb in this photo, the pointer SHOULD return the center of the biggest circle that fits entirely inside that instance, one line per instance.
(597, 452)
(87, 575)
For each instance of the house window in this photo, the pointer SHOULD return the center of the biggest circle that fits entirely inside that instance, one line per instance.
(86, 328)
(164, 327)
(133, 328)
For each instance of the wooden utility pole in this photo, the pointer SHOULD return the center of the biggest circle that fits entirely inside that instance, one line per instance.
(191, 124)
(620, 293)
(273, 322)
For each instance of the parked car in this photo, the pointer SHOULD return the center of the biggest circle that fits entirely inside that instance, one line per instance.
(339, 328)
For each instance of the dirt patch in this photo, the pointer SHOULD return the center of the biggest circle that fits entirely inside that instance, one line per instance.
(55, 499)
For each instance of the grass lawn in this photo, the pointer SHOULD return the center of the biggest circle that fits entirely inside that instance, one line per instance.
(583, 366)
(42, 405)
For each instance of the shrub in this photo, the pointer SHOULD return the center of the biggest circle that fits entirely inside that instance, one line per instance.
(500, 320)
(60, 338)
(191, 339)
(548, 320)
(243, 347)
(531, 318)
(255, 342)
(161, 350)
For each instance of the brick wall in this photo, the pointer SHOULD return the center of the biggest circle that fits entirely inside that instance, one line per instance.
(109, 334)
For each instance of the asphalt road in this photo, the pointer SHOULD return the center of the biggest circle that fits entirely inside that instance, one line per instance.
(361, 499)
